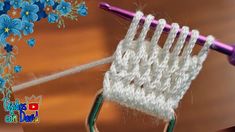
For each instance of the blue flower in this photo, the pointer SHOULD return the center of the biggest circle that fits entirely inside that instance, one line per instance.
(27, 27)
(16, 3)
(40, 5)
(55, 5)
(8, 48)
(29, 12)
(52, 18)
(1, 6)
(9, 26)
(7, 6)
(82, 9)
(31, 42)
(48, 2)
(41, 14)
(33, 1)
(2, 83)
(64, 8)
(17, 69)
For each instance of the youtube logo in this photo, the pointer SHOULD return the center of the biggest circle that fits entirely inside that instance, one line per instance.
(33, 106)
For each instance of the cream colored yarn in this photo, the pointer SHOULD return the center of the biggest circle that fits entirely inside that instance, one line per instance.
(151, 79)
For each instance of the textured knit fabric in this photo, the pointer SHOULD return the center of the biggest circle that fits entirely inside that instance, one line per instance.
(151, 79)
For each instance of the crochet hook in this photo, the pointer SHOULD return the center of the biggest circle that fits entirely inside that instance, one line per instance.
(226, 49)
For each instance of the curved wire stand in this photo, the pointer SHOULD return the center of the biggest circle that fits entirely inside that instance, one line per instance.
(94, 113)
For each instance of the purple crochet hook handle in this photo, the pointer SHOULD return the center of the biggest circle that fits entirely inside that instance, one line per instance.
(228, 50)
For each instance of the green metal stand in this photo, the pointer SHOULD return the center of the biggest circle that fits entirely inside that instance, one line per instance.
(95, 113)
(171, 125)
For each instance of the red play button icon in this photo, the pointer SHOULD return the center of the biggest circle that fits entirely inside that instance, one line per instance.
(33, 106)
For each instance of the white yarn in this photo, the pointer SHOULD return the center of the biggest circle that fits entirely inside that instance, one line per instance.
(149, 78)
(61, 74)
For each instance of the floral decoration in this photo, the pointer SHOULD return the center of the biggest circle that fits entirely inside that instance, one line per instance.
(30, 12)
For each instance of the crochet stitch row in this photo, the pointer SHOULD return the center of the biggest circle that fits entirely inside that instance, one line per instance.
(149, 78)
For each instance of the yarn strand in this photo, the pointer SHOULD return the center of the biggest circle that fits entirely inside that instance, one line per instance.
(62, 74)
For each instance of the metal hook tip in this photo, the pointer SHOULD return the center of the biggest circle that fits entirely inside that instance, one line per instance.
(104, 6)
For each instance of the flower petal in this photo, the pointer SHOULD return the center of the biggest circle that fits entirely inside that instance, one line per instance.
(4, 20)
(34, 17)
(16, 32)
(17, 23)
(3, 38)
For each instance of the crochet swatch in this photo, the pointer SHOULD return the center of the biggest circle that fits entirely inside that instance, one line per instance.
(151, 79)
